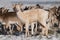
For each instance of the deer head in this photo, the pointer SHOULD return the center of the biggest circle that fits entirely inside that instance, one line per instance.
(17, 7)
(4, 10)
(53, 10)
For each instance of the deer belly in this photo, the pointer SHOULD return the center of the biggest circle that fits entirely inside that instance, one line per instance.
(23, 20)
(12, 22)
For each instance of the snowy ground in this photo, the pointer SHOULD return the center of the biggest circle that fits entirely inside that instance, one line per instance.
(22, 37)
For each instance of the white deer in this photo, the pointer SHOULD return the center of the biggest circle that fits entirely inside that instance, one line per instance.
(33, 15)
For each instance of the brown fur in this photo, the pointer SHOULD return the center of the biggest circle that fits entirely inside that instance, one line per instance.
(11, 17)
(31, 16)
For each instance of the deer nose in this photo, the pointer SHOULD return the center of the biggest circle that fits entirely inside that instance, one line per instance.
(55, 25)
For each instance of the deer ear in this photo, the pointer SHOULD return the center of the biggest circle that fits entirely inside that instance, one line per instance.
(13, 5)
(20, 4)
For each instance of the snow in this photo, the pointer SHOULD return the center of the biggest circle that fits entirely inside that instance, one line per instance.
(22, 37)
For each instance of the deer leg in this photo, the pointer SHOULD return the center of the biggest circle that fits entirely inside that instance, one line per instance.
(46, 32)
(21, 28)
(45, 27)
(20, 25)
(59, 24)
(36, 27)
(18, 28)
(43, 31)
(7, 26)
(10, 29)
(27, 31)
(32, 27)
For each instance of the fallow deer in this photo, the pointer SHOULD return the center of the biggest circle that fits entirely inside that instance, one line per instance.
(31, 16)
(10, 17)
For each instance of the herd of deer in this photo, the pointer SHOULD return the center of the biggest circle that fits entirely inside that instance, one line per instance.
(29, 16)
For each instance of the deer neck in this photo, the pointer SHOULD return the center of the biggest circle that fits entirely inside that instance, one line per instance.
(20, 15)
(19, 12)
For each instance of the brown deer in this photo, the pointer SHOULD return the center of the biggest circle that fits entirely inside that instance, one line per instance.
(30, 16)
(53, 21)
(10, 18)
(53, 12)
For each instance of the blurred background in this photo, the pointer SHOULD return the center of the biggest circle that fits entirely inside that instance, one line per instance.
(45, 3)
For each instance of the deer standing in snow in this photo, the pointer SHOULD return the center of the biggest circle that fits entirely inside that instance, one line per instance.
(10, 18)
(34, 15)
